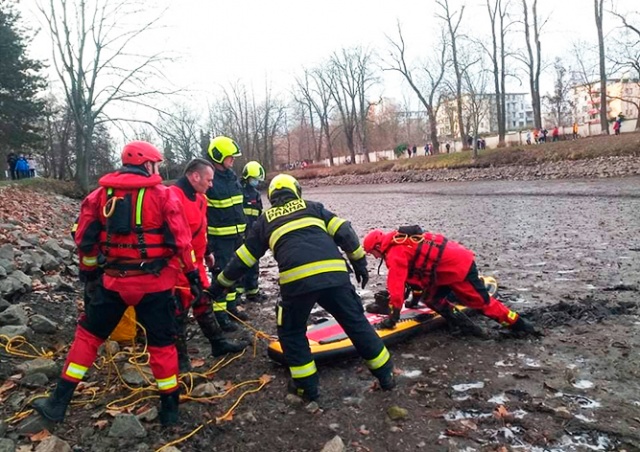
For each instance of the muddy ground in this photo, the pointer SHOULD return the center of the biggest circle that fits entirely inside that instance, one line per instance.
(565, 253)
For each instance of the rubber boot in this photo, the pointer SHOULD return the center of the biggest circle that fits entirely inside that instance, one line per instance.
(385, 376)
(169, 404)
(236, 315)
(213, 332)
(184, 362)
(225, 322)
(308, 395)
(54, 407)
(524, 326)
(257, 297)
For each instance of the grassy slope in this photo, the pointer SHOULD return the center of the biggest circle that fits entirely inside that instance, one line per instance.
(585, 148)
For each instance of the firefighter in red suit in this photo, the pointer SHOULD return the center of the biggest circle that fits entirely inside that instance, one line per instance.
(133, 243)
(439, 267)
(190, 189)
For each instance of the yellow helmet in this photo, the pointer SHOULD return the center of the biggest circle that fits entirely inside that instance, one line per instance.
(284, 182)
(253, 169)
(222, 147)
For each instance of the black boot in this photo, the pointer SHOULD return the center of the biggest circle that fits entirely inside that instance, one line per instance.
(308, 395)
(225, 322)
(222, 346)
(213, 331)
(457, 319)
(184, 362)
(169, 408)
(54, 407)
(524, 326)
(236, 315)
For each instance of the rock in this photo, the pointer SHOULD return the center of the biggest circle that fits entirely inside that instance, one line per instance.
(335, 445)
(10, 286)
(14, 315)
(7, 252)
(112, 347)
(293, 400)
(150, 415)
(16, 330)
(134, 375)
(248, 417)
(53, 444)
(3, 428)
(34, 239)
(16, 400)
(68, 245)
(35, 380)
(7, 445)
(8, 265)
(171, 449)
(52, 246)
(205, 390)
(39, 365)
(4, 304)
(33, 424)
(127, 426)
(353, 401)
(312, 407)
(49, 262)
(53, 281)
(73, 270)
(3, 272)
(563, 413)
(396, 413)
(41, 324)
(23, 279)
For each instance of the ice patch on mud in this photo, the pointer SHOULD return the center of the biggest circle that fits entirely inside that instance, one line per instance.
(466, 386)
(584, 418)
(503, 363)
(583, 384)
(461, 398)
(411, 373)
(584, 402)
(457, 415)
(566, 272)
(500, 399)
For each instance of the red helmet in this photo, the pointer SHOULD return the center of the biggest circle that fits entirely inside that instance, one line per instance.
(140, 152)
(372, 241)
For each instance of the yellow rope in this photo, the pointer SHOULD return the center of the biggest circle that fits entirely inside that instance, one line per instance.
(19, 346)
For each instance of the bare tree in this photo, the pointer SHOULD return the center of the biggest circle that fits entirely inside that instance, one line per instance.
(315, 99)
(628, 57)
(452, 20)
(477, 104)
(500, 23)
(533, 59)
(433, 74)
(95, 59)
(351, 77)
(598, 6)
(559, 102)
(180, 128)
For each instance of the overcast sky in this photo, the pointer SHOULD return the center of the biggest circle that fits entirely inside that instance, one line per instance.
(258, 40)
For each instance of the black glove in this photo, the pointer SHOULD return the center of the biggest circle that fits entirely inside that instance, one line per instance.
(360, 269)
(195, 284)
(390, 322)
(215, 290)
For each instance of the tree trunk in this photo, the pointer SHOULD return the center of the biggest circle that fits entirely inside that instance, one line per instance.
(604, 117)
(433, 126)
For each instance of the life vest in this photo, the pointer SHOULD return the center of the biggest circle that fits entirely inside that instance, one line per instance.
(429, 250)
(134, 239)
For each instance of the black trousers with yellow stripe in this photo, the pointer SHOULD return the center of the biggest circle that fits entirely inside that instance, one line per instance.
(344, 304)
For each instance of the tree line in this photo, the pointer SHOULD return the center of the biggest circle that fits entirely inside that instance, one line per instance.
(333, 108)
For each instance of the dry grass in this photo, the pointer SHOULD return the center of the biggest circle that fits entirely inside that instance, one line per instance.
(584, 148)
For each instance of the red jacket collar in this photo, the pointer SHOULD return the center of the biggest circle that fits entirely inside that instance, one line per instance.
(129, 180)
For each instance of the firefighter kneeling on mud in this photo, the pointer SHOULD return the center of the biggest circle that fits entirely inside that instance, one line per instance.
(133, 229)
(440, 268)
(304, 238)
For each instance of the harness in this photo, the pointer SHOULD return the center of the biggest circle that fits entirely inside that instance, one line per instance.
(421, 268)
(117, 212)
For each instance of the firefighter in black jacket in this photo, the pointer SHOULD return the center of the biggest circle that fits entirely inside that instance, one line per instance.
(304, 238)
(226, 223)
(252, 175)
